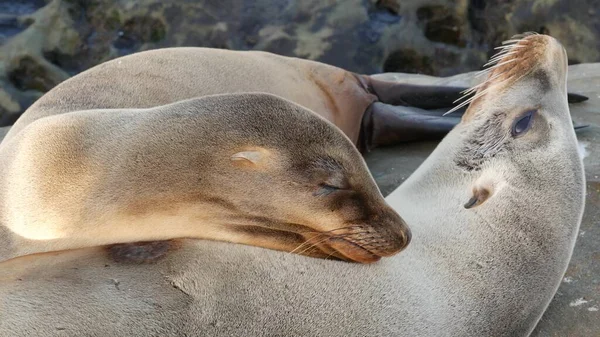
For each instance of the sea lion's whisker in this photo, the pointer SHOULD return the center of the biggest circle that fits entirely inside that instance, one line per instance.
(510, 41)
(509, 46)
(335, 229)
(476, 87)
(330, 254)
(313, 245)
(307, 242)
(320, 234)
(499, 57)
(498, 63)
(503, 63)
(467, 102)
(328, 237)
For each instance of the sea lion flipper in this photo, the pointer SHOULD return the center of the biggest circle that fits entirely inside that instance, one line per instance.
(579, 127)
(429, 96)
(576, 98)
(421, 96)
(385, 124)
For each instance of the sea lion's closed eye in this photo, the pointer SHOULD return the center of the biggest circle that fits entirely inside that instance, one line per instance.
(326, 189)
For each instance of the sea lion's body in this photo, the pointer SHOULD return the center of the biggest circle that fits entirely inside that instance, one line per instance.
(494, 213)
(197, 168)
(158, 77)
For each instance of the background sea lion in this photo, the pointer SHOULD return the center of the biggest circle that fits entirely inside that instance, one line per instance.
(237, 168)
(163, 76)
(494, 213)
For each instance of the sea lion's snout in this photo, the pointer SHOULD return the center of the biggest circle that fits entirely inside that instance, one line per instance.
(395, 233)
(380, 235)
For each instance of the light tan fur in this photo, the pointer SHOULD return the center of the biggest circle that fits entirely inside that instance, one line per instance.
(489, 270)
(246, 168)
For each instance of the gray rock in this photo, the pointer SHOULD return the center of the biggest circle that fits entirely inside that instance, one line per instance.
(3, 132)
(44, 42)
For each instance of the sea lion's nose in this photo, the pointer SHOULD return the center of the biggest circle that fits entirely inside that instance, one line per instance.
(397, 234)
(393, 234)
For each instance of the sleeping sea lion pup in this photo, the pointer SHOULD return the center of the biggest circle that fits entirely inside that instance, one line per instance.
(371, 112)
(246, 168)
(494, 213)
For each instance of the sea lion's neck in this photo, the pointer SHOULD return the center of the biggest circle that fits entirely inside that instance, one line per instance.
(432, 203)
(439, 168)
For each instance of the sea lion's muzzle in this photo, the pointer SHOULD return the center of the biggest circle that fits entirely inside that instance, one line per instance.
(384, 236)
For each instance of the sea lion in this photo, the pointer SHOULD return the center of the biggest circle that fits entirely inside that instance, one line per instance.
(250, 168)
(370, 111)
(494, 213)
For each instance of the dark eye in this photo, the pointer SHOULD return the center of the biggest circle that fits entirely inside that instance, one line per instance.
(325, 189)
(522, 124)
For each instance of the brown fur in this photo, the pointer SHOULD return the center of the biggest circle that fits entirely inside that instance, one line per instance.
(163, 76)
(199, 168)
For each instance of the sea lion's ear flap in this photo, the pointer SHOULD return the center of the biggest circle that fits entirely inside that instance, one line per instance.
(253, 157)
(483, 189)
(258, 157)
(480, 195)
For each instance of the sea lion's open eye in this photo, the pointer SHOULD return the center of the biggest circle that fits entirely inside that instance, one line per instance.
(325, 189)
(522, 124)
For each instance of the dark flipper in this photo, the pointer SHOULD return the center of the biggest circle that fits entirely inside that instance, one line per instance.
(579, 127)
(422, 96)
(576, 98)
(385, 124)
(428, 96)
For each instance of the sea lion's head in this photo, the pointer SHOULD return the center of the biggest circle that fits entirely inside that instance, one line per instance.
(288, 179)
(248, 168)
(512, 163)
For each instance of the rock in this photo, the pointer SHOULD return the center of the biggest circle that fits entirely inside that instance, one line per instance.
(3, 132)
(43, 42)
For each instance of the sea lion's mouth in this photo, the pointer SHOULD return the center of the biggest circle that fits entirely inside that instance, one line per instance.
(362, 244)
(351, 252)
(355, 243)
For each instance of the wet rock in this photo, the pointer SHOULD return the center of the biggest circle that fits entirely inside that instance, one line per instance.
(407, 61)
(437, 37)
(137, 31)
(28, 74)
(441, 25)
(392, 6)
